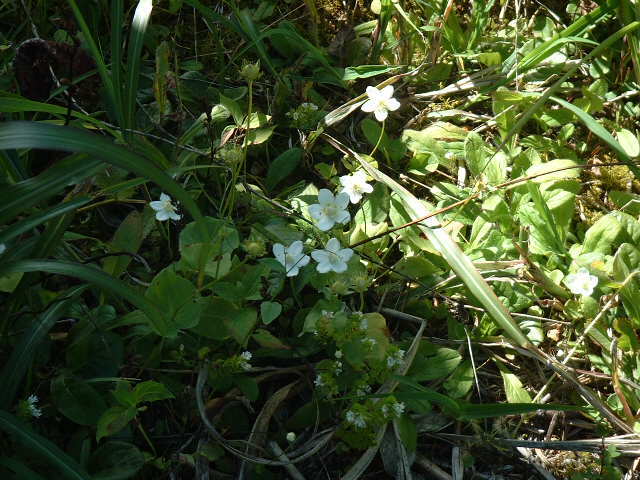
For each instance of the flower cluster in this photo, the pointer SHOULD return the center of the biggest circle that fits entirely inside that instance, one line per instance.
(243, 362)
(306, 116)
(29, 407)
(395, 358)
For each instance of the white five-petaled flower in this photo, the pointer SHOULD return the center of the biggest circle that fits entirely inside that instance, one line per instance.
(332, 258)
(355, 185)
(581, 283)
(165, 210)
(292, 257)
(356, 419)
(330, 209)
(32, 402)
(291, 437)
(380, 102)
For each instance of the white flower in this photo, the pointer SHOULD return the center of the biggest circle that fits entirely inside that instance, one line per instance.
(581, 283)
(395, 359)
(364, 324)
(244, 360)
(291, 437)
(380, 102)
(319, 382)
(165, 210)
(355, 185)
(363, 390)
(338, 353)
(338, 367)
(330, 209)
(3, 247)
(332, 258)
(33, 407)
(398, 408)
(292, 258)
(356, 419)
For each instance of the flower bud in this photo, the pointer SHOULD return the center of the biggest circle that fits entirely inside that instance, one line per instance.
(251, 71)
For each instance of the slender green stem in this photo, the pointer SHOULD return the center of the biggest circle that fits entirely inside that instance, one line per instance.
(379, 139)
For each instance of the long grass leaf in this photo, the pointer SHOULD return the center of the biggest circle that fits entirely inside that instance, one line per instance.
(526, 116)
(24, 195)
(33, 221)
(95, 277)
(598, 130)
(136, 41)
(117, 25)
(22, 355)
(39, 135)
(105, 74)
(38, 445)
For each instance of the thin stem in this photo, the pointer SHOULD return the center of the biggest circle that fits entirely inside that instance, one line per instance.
(379, 139)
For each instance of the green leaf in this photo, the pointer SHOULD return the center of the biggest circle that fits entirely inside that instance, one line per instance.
(77, 400)
(269, 311)
(513, 387)
(629, 142)
(203, 241)
(432, 363)
(460, 381)
(114, 420)
(40, 446)
(283, 165)
(366, 71)
(266, 339)
(116, 461)
(248, 386)
(177, 298)
(626, 265)
(150, 391)
(408, 433)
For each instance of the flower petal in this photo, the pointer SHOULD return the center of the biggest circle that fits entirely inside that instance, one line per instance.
(386, 92)
(295, 249)
(162, 215)
(325, 223)
(374, 94)
(343, 217)
(340, 267)
(164, 197)
(342, 200)
(369, 106)
(381, 114)
(304, 260)
(157, 205)
(320, 256)
(345, 254)
(333, 245)
(315, 211)
(325, 196)
(392, 104)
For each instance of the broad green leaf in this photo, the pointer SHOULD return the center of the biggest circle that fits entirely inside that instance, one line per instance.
(629, 142)
(269, 311)
(266, 339)
(282, 166)
(40, 446)
(432, 363)
(114, 420)
(626, 270)
(366, 71)
(177, 298)
(77, 400)
(513, 387)
(602, 235)
(460, 381)
(150, 391)
(116, 461)
(128, 238)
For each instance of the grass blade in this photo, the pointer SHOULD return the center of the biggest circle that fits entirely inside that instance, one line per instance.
(40, 135)
(598, 130)
(39, 445)
(96, 277)
(21, 357)
(105, 74)
(117, 20)
(33, 221)
(136, 41)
